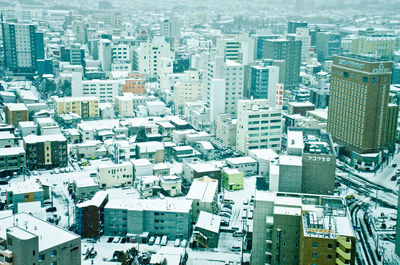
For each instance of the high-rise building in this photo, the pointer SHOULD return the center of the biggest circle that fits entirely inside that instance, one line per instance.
(262, 82)
(259, 43)
(303, 35)
(238, 48)
(148, 57)
(20, 47)
(105, 54)
(294, 25)
(289, 50)
(296, 228)
(171, 28)
(229, 48)
(76, 54)
(226, 88)
(188, 88)
(358, 115)
(258, 126)
(79, 28)
(328, 45)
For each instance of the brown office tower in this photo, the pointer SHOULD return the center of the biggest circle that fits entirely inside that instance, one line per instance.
(358, 115)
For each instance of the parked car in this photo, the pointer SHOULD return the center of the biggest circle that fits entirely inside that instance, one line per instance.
(177, 242)
(51, 209)
(238, 233)
(151, 240)
(226, 211)
(394, 165)
(225, 214)
(157, 241)
(224, 223)
(229, 206)
(235, 248)
(227, 201)
(183, 243)
(393, 178)
(164, 241)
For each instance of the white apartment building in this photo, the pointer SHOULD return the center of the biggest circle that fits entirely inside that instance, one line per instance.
(258, 126)
(120, 52)
(233, 74)
(147, 57)
(104, 90)
(188, 88)
(303, 34)
(123, 105)
(115, 175)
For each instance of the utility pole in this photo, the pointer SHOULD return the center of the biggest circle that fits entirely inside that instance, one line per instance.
(376, 199)
(244, 222)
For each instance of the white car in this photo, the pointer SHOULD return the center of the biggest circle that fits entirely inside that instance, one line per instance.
(177, 242)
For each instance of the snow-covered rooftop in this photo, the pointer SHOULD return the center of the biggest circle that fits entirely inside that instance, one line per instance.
(161, 205)
(209, 221)
(26, 225)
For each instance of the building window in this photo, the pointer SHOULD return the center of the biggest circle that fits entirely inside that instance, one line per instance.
(41, 257)
(315, 244)
(345, 74)
(329, 256)
(314, 255)
(53, 253)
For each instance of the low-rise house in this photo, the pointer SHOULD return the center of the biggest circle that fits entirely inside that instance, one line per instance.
(115, 175)
(147, 186)
(263, 157)
(206, 149)
(171, 185)
(90, 150)
(181, 152)
(161, 169)
(27, 128)
(19, 192)
(142, 167)
(7, 139)
(84, 188)
(232, 178)
(206, 230)
(201, 169)
(203, 194)
(245, 164)
(153, 151)
(165, 128)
